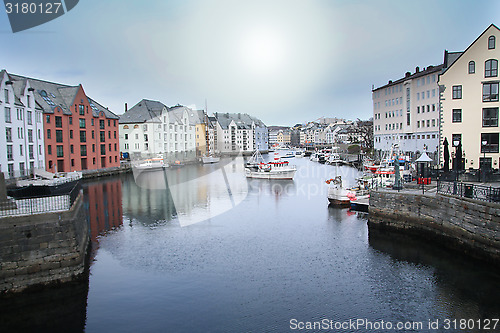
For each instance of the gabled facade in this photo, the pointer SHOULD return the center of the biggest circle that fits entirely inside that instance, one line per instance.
(470, 101)
(21, 127)
(78, 132)
(235, 133)
(141, 132)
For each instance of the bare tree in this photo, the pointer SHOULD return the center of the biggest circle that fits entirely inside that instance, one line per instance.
(363, 129)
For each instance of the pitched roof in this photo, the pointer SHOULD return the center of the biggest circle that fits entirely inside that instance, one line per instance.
(242, 120)
(456, 55)
(49, 95)
(426, 71)
(143, 111)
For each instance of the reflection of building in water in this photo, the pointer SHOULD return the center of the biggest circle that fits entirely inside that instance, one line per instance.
(147, 195)
(104, 203)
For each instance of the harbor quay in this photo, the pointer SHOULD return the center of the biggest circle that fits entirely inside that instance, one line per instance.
(464, 224)
(42, 241)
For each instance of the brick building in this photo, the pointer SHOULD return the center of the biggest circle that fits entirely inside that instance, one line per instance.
(79, 133)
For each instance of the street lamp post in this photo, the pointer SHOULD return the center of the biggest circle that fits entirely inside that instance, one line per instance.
(481, 165)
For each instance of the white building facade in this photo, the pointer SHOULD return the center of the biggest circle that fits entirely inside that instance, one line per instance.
(22, 128)
(470, 102)
(406, 112)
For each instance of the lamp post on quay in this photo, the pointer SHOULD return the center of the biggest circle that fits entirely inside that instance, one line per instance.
(482, 165)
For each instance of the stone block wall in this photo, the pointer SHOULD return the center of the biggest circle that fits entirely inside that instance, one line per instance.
(471, 226)
(43, 249)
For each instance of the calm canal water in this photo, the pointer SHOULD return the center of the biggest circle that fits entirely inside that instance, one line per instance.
(217, 253)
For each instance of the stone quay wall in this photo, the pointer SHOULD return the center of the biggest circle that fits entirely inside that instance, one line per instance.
(43, 249)
(467, 225)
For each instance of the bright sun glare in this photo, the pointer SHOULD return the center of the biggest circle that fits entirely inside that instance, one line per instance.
(263, 51)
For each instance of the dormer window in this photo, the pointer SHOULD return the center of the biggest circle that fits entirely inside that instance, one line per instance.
(491, 42)
(472, 67)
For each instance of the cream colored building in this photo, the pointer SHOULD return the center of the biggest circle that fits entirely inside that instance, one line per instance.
(405, 112)
(469, 101)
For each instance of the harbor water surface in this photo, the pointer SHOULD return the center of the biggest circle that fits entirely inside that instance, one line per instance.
(202, 249)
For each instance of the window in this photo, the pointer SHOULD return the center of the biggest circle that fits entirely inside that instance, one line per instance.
(457, 116)
(10, 154)
(490, 92)
(71, 134)
(7, 115)
(71, 149)
(21, 169)
(48, 134)
(491, 68)
(30, 151)
(145, 137)
(490, 117)
(472, 67)
(71, 120)
(60, 151)
(101, 124)
(93, 148)
(58, 121)
(457, 92)
(418, 109)
(59, 136)
(491, 42)
(83, 150)
(29, 117)
(83, 136)
(82, 123)
(47, 119)
(93, 134)
(6, 94)
(102, 136)
(49, 149)
(103, 149)
(81, 109)
(8, 134)
(433, 122)
(491, 140)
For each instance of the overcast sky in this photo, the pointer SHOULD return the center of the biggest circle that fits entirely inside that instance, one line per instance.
(283, 61)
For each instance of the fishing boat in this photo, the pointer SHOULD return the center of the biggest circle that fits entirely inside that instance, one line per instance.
(337, 194)
(210, 159)
(256, 167)
(44, 183)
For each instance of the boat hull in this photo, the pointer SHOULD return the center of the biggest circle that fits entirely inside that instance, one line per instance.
(41, 190)
(338, 197)
(210, 159)
(278, 174)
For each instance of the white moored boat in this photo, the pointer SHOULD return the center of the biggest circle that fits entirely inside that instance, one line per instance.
(277, 169)
(337, 194)
(151, 164)
(210, 159)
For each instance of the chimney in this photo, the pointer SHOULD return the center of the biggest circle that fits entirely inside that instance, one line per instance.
(417, 69)
(126, 107)
(407, 74)
(390, 81)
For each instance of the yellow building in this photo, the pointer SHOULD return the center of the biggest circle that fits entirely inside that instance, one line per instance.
(469, 101)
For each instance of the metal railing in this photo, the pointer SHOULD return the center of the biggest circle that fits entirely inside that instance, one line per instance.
(40, 204)
(471, 191)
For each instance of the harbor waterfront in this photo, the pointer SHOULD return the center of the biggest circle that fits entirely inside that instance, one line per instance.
(272, 253)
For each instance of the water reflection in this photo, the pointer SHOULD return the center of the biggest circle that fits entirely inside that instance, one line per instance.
(197, 192)
(465, 288)
(60, 308)
(103, 202)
